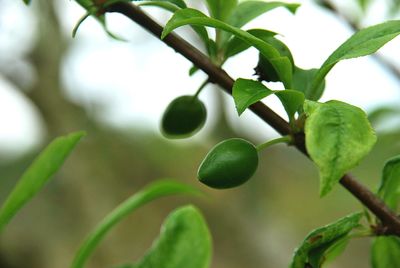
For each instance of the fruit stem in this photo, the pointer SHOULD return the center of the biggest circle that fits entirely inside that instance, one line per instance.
(200, 89)
(285, 139)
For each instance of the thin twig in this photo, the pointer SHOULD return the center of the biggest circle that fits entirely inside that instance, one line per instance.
(219, 76)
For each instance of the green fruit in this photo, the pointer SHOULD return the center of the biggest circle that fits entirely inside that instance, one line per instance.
(183, 117)
(229, 164)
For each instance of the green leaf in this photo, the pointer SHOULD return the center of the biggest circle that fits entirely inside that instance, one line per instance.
(283, 50)
(291, 100)
(187, 14)
(389, 189)
(178, 3)
(162, 4)
(283, 67)
(385, 252)
(151, 192)
(37, 175)
(246, 92)
(184, 241)
(237, 45)
(327, 252)
(248, 10)
(266, 68)
(362, 43)
(338, 136)
(193, 70)
(27, 2)
(85, 3)
(79, 23)
(302, 81)
(322, 241)
(334, 250)
(93, 10)
(194, 17)
(170, 5)
(221, 9)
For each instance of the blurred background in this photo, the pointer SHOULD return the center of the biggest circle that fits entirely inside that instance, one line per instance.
(52, 84)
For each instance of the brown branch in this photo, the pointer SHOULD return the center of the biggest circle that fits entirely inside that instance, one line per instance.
(219, 76)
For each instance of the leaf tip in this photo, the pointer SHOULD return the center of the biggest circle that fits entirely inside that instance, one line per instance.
(324, 188)
(164, 33)
(293, 7)
(323, 192)
(77, 135)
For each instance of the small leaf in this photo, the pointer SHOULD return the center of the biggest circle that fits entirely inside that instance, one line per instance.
(78, 24)
(283, 67)
(248, 10)
(338, 136)
(237, 45)
(334, 250)
(170, 5)
(246, 92)
(319, 242)
(389, 190)
(267, 69)
(27, 2)
(319, 256)
(93, 10)
(184, 15)
(362, 43)
(194, 17)
(291, 100)
(284, 51)
(221, 9)
(193, 70)
(38, 174)
(385, 252)
(162, 4)
(178, 3)
(151, 192)
(184, 241)
(302, 80)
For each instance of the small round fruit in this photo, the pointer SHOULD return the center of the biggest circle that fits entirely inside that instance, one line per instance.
(229, 164)
(183, 117)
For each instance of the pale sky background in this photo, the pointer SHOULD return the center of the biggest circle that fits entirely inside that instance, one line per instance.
(124, 77)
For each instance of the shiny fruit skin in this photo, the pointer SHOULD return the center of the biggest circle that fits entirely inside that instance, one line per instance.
(229, 164)
(183, 117)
